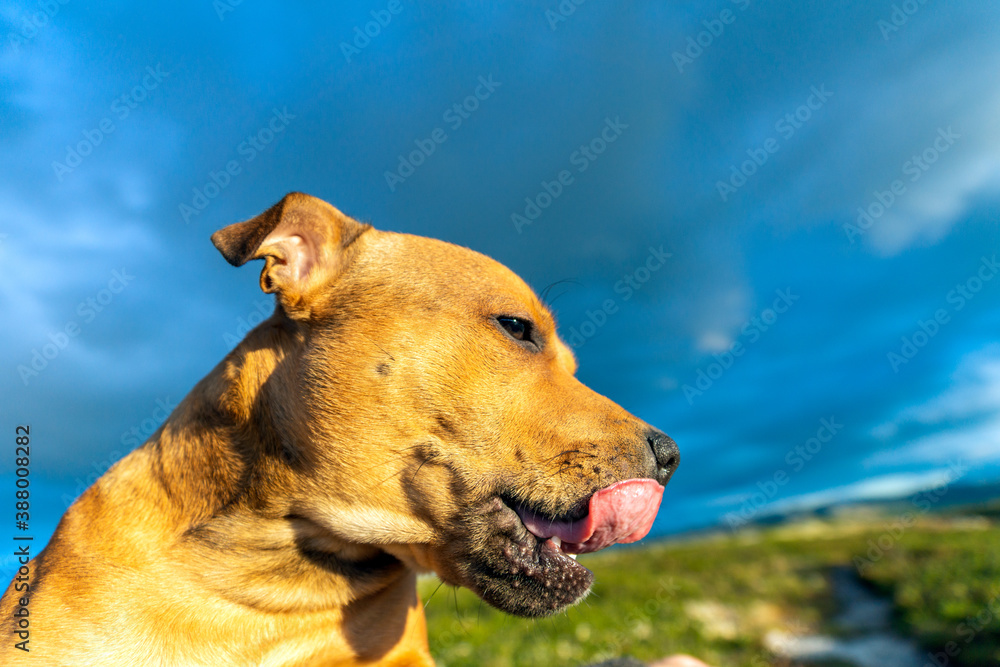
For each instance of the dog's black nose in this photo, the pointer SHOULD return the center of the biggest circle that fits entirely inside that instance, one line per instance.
(665, 451)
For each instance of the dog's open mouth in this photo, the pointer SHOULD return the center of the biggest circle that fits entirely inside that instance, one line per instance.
(534, 572)
(619, 514)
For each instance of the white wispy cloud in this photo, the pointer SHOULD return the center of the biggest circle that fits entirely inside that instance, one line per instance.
(973, 398)
(950, 180)
(884, 487)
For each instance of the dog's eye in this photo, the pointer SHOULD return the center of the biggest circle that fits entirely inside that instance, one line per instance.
(518, 329)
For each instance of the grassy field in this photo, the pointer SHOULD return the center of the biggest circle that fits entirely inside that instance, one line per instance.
(718, 597)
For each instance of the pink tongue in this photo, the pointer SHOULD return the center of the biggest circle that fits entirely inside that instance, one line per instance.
(622, 513)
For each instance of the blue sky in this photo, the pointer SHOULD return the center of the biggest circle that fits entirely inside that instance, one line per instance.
(742, 139)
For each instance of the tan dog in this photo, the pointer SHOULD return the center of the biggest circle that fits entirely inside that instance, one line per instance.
(408, 407)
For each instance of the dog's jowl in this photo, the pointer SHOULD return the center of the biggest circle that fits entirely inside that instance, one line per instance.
(408, 407)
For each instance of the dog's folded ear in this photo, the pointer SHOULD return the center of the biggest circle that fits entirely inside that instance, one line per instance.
(303, 241)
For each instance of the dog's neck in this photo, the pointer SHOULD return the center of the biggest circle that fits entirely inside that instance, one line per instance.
(221, 444)
(223, 448)
(227, 533)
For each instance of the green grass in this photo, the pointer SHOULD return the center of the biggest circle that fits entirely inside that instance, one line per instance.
(718, 597)
(947, 588)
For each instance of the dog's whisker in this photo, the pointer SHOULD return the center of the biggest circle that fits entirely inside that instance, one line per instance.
(398, 473)
(379, 347)
(458, 614)
(420, 466)
(563, 467)
(545, 292)
(564, 453)
(398, 457)
(431, 596)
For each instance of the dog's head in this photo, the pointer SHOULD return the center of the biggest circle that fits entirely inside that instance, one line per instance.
(432, 410)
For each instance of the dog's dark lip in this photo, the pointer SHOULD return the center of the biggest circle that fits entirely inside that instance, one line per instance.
(620, 513)
(526, 577)
(543, 547)
(577, 512)
(521, 560)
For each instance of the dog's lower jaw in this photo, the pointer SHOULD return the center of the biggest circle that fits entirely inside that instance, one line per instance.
(500, 561)
(533, 579)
